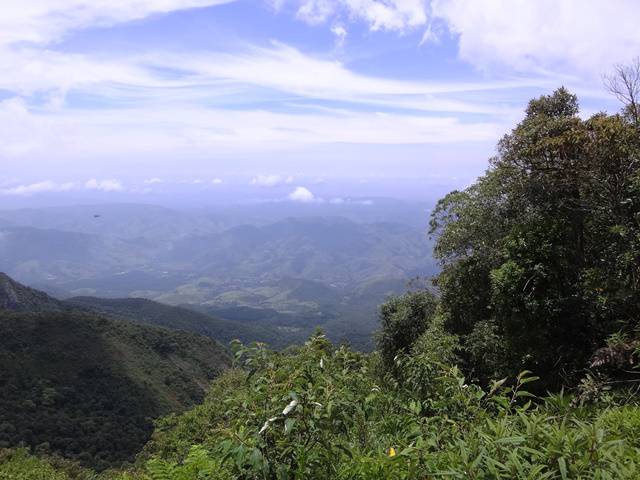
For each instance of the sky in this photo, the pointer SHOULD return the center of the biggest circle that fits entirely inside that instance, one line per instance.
(143, 96)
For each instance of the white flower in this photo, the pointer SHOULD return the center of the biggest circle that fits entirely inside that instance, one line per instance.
(266, 424)
(264, 427)
(293, 404)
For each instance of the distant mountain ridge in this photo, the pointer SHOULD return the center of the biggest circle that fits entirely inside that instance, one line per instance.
(289, 268)
(148, 312)
(20, 298)
(17, 297)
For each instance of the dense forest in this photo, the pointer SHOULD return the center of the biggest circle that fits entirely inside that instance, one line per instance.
(88, 388)
(521, 363)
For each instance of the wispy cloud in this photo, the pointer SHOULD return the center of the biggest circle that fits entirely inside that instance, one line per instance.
(392, 15)
(340, 32)
(135, 79)
(45, 186)
(41, 22)
(260, 96)
(153, 181)
(194, 131)
(49, 186)
(109, 185)
(539, 37)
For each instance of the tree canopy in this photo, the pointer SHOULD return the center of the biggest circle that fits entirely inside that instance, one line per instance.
(544, 249)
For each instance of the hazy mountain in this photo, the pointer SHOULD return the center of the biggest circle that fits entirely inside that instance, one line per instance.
(288, 266)
(125, 221)
(17, 297)
(55, 256)
(323, 249)
(87, 387)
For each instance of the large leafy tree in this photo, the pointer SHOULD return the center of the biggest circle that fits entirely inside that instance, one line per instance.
(541, 256)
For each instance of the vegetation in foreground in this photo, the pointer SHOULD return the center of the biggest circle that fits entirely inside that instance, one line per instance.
(322, 411)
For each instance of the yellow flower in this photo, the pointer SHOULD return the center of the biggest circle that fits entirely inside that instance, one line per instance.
(392, 452)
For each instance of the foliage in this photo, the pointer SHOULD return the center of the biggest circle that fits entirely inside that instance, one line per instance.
(540, 269)
(88, 388)
(543, 251)
(20, 465)
(402, 320)
(322, 412)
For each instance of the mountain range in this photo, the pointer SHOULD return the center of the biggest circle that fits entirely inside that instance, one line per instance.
(327, 266)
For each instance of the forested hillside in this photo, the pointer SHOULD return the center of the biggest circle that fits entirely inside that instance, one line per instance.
(17, 297)
(140, 310)
(88, 388)
(523, 364)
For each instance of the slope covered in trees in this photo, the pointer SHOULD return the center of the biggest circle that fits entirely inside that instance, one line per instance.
(88, 388)
(17, 297)
(296, 267)
(143, 311)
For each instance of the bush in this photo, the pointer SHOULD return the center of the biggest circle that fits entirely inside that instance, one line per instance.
(321, 412)
(403, 319)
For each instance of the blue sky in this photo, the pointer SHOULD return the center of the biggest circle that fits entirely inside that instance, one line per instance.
(132, 95)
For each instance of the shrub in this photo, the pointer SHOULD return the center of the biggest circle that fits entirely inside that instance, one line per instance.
(403, 319)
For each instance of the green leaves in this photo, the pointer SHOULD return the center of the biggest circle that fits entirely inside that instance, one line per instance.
(289, 423)
(345, 421)
(545, 247)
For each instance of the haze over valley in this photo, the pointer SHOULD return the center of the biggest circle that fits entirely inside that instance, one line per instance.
(289, 266)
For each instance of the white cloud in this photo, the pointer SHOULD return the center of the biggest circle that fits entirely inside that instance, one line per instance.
(70, 137)
(45, 186)
(216, 181)
(135, 80)
(541, 37)
(109, 185)
(271, 180)
(179, 114)
(340, 33)
(287, 69)
(316, 11)
(579, 36)
(302, 194)
(152, 181)
(44, 21)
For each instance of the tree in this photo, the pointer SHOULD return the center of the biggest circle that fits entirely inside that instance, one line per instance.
(624, 83)
(543, 250)
(403, 319)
